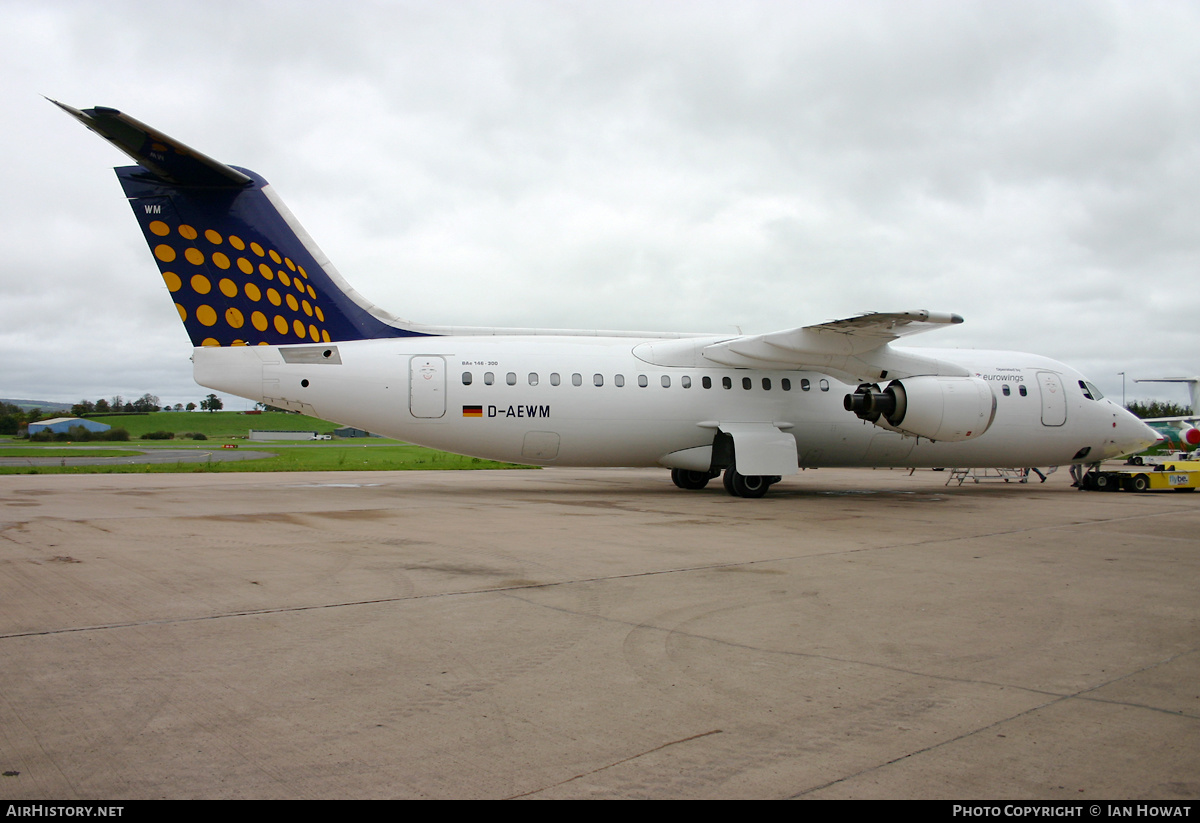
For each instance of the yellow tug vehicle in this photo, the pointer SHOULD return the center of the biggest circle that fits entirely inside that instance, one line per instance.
(1173, 475)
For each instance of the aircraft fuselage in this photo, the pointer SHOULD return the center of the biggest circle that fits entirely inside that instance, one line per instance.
(591, 401)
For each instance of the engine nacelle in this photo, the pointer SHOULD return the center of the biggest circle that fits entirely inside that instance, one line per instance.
(939, 408)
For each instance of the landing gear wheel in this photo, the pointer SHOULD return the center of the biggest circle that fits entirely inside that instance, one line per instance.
(690, 480)
(747, 485)
(727, 482)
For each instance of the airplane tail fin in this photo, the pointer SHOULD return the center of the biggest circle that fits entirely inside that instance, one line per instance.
(240, 268)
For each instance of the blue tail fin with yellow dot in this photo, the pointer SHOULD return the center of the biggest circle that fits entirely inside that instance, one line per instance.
(240, 268)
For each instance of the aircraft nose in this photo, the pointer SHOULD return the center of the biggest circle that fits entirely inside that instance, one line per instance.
(1133, 435)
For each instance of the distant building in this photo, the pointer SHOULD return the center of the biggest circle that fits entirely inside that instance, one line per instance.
(64, 425)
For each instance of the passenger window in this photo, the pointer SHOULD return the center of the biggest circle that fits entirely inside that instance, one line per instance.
(511, 378)
(747, 383)
(824, 384)
(1021, 390)
(466, 378)
(804, 384)
(597, 380)
(1006, 390)
(577, 379)
(785, 384)
(554, 378)
(726, 383)
(533, 378)
(618, 380)
(642, 381)
(488, 378)
(766, 384)
(685, 381)
(666, 381)
(706, 382)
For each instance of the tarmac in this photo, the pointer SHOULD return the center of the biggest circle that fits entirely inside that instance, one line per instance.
(99, 458)
(595, 634)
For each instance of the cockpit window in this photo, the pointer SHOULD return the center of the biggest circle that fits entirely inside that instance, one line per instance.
(1090, 391)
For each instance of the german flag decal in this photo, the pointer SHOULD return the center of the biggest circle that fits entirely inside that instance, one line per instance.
(472, 411)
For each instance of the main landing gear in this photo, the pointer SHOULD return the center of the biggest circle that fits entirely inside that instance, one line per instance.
(690, 480)
(738, 485)
(748, 485)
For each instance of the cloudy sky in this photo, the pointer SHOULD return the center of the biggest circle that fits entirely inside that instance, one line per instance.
(686, 166)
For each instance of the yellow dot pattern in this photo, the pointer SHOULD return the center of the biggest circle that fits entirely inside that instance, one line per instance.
(216, 280)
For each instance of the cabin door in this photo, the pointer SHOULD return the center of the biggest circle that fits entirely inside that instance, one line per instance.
(427, 386)
(1054, 399)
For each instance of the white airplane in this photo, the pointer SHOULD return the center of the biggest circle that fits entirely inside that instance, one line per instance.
(1181, 430)
(273, 321)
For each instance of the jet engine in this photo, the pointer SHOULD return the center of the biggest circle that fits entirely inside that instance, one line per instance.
(938, 408)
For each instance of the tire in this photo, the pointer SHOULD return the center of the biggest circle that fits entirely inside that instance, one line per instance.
(752, 485)
(727, 481)
(690, 480)
(1140, 483)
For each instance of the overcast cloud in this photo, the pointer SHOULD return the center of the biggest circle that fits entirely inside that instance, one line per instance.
(686, 166)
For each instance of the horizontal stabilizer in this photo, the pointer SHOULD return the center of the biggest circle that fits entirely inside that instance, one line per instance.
(164, 157)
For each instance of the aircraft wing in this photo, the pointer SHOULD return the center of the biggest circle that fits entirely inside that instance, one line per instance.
(855, 348)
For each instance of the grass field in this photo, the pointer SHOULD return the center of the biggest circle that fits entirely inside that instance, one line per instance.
(232, 428)
(213, 424)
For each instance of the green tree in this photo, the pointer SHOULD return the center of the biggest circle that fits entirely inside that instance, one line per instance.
(11, 418)
(212, 403)
(1155, 408)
